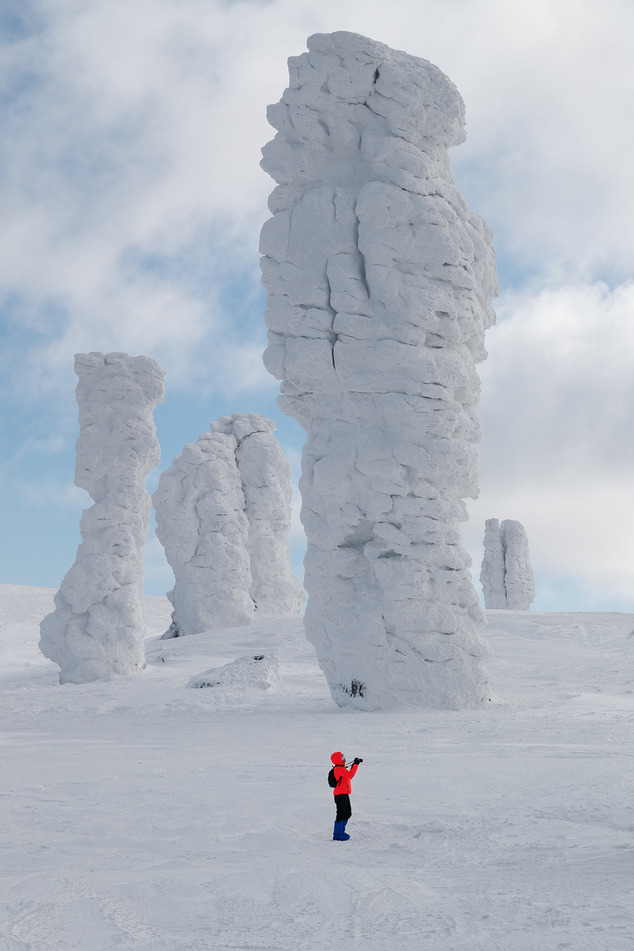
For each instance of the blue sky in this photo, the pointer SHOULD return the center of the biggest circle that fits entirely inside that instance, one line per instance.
(132, 201)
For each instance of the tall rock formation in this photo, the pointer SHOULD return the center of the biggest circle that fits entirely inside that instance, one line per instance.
(492, 569)
(97, 630)
(265, 474)
(202, 525)
(379, 281)
(506, 574)
(223, 516)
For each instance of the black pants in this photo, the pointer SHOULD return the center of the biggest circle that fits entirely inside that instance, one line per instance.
(344, 809)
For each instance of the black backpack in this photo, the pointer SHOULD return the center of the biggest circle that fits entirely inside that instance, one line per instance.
(332, 782)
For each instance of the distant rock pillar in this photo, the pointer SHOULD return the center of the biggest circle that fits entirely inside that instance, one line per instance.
(492, 569)
(223, 516)
(97, 630)
(265, 474)
(506, 574)
(379, 280)
(202, 524)
(518, 573)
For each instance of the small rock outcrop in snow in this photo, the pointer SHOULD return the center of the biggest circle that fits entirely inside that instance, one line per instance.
(97, 630)
(506, 574)
(223, 516)
(258, 671)
(379, 281)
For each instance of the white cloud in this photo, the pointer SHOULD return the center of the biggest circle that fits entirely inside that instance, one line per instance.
(132, 202)
(559, 380)
(557, 453)
(133, 136)
(159, 576)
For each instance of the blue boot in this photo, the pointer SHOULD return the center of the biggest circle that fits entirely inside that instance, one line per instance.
(339, 834)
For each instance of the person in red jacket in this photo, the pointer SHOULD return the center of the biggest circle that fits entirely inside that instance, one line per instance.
(342, 794)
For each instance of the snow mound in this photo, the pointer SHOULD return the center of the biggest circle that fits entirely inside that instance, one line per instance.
(258, 671)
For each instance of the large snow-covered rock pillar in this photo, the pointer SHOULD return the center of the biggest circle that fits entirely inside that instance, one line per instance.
(97, 630)
(223, 516)
(379, 281)
(506, 574)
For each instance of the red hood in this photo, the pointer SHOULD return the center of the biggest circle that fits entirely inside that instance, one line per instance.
(337, 759)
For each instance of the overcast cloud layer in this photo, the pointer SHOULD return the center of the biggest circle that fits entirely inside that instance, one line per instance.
(132, 202)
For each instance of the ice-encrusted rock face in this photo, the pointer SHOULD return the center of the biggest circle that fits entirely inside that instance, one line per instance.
(518, 573)
(379, 281)
(97, 630)
(492, 569)
(265, 474)
(506, 574)
(201, 523)
(223, 517)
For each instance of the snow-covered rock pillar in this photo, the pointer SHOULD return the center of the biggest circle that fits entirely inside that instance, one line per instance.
(265, 474)
(98, 628)
(202, 524)
(492, 569)
(506, 575)
(519, 580)
(223, 517)
(379, 281)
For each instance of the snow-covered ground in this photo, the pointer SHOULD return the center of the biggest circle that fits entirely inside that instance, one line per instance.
(145, 814)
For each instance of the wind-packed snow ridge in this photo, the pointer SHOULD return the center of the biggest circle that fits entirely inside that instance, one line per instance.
(506, 574)
(379, 281)
(97, 630)
(223, 516)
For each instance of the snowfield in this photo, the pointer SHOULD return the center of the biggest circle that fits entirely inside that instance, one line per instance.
(146, 814)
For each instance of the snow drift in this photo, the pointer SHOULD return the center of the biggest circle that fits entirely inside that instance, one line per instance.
(244, 674)
(97, 629)
(379, 281)
(140, 815)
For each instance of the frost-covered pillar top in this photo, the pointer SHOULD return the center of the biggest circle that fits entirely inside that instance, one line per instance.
(117, 444)
(383, 92)
(386, 257)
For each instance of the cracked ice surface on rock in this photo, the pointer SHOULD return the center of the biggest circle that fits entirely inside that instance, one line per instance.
(223, 516)
(266, 483)
(97, 630)
(379, 281)
(506, 574)
(492, 569)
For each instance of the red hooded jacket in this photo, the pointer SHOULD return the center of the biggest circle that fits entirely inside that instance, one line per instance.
(342, 775)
